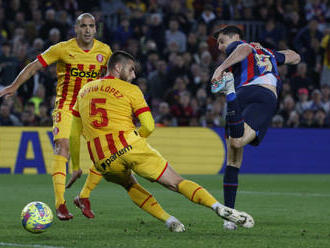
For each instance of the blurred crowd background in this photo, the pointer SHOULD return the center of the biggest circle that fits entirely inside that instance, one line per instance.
(172, 40)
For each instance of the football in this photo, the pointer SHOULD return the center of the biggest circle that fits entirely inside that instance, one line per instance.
(36, 217)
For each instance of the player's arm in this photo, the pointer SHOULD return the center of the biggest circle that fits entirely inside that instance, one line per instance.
(147, 124)
(22, 77)
(142, 112)
(239, 54)
(290, 57)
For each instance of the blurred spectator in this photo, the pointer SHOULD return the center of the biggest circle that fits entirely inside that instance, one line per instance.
(316, 100)
(114, 7)
(287, 108)
(316, 9)
(123, 32)
(303, 40)
(7, 118)
(294, 120)
(272, 34)
(208, 17)
(302, 80)
(28, 116)
(70, 7)
(293, 24)
(163, 116)
(137, 5)
(51, 22)
(172, 96)
(174, 35)
(158, 81)
(8, 65)
(45, 119)
(36, 49)
(157, 31)
(325, 45)
(34, 25)
(320, 119)
(38, 98)
(54, 37)
(325, 90)
(183, 111)
(302, 103)
(142, 83)
(277, 121)
(307, 119)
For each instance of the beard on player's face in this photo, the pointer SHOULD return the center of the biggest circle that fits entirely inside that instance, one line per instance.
(124, 75)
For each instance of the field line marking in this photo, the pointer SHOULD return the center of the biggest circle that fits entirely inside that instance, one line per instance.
(28, 245)
(284, 193)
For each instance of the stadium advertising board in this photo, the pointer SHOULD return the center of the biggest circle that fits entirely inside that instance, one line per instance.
(188, 150)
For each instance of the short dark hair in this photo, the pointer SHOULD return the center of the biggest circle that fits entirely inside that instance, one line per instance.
(230, 31)
(119, 57)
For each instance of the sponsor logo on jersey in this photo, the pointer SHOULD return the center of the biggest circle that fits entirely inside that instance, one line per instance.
(84, 74)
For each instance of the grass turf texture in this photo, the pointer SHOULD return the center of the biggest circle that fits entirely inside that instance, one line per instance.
(289, 210)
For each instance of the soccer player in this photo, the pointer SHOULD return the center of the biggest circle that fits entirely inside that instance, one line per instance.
(103, 113)
(79, 61)
(251, 98)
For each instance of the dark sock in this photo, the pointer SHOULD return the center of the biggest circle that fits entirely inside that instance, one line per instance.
(230, 184)
(234, 118)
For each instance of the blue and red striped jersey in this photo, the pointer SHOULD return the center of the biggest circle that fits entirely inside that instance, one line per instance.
(258, 63)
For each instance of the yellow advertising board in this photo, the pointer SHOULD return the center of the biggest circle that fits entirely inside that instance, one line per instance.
(189, 150)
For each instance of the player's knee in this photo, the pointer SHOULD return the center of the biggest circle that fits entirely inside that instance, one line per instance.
(62, 148)
(236, 143)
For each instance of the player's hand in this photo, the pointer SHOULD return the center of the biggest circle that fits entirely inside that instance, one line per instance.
(8, 91)
(217, 75)
(75, 175)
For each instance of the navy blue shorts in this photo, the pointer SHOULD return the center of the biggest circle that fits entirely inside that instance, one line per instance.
(258, 105)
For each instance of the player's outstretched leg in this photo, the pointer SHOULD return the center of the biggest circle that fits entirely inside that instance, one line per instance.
(82, 200)
(230, 184)
(144, 200)
(199, 195)
(58, 177)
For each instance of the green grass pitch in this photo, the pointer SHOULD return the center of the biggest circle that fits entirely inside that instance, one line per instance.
(289, 210)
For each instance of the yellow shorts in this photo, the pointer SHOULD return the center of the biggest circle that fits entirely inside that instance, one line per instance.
(62, 121)
(139, 157)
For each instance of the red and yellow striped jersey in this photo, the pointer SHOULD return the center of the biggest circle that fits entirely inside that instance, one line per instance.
(106, 107)
(75, 67)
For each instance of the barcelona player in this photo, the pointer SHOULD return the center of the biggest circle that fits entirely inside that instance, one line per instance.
(251, 95)
(79, 61)
(103, 113)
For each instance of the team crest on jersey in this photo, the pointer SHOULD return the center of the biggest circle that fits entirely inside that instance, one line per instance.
(56, 130)
(99, 57)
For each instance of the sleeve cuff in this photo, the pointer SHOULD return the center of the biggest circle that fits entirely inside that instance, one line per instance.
(141, 110)
(42, 61)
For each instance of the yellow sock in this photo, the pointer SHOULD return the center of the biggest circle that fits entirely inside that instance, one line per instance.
(59, 176)
(147, 202)
(196, 193)
(93, 179)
